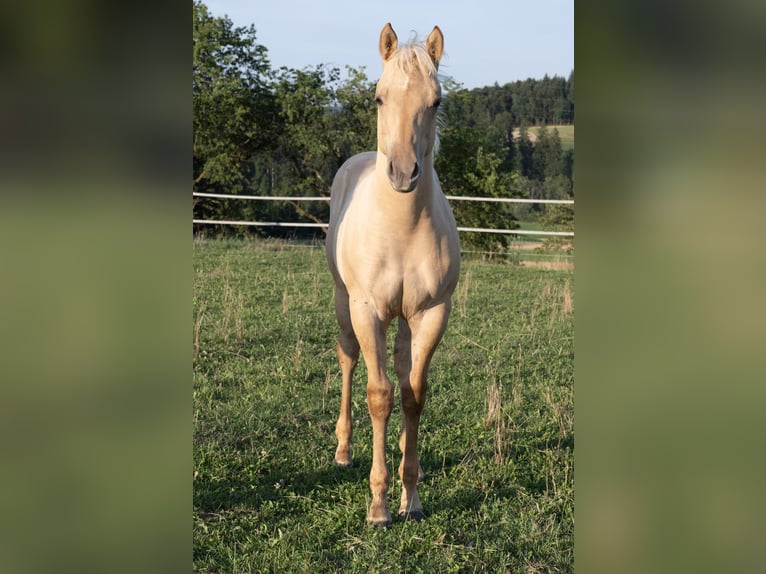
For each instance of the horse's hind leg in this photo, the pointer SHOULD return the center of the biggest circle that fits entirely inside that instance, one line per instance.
(403, 366)
(427, 330)
(348, 357)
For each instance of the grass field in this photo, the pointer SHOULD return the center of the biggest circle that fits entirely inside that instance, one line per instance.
(497, 434)
(566, 133)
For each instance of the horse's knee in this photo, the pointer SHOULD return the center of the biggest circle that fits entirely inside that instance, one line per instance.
(380, 398)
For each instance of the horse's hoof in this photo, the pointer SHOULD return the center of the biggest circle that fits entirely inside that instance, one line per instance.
(416, 515)
(343, 463)
(379, 523)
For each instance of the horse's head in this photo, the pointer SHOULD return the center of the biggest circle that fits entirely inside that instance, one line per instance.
(408, 95)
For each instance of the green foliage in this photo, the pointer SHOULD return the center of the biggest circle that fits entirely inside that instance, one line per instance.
(474, 163)
(546, 157)
(497, 435)
(548, 101)
(558, 217)
(355, 117)
(526, 152)
(232, 105)
(477, 176)
(325, 122)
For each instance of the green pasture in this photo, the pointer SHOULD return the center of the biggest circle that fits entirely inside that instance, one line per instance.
(497, 436)
(566, 133)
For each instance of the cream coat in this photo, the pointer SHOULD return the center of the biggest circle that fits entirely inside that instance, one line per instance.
(392, 248)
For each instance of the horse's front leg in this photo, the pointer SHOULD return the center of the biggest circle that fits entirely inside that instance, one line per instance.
(426, 329)
(371, 334)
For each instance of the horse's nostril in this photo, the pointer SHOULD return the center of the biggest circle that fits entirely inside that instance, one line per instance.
(415, 171)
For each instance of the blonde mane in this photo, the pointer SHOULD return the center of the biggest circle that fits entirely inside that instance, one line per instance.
(414, 55)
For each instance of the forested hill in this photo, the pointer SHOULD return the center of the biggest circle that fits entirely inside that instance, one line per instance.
(285, 132)
(532, 102)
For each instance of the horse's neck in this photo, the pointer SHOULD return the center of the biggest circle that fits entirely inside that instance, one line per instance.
(405, 205)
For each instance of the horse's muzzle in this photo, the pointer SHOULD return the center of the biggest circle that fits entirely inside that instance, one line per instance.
(401, 180)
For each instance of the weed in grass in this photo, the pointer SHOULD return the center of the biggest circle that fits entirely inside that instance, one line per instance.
(198, 327)
(461, 297)
(494, 403)
(568, 304)
(298, 353)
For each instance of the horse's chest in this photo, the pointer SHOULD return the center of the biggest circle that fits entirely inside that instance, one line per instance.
(402, 285)
(398, 268)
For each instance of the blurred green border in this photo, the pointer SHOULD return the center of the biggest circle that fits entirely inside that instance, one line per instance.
(96, 287)
(670, 317)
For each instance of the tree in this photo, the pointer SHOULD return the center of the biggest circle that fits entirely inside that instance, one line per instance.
(552, 153)
(304, 98)
(233, 108)
(466, 168)
(567, 164)
(355, 117)
(526, 150)
(499, 136)
(540, 154)
(324, 122)
(571, 96)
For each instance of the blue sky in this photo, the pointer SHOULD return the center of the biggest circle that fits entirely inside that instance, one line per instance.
(485, 41)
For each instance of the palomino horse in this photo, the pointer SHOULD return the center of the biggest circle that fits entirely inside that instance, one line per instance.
(392, 247)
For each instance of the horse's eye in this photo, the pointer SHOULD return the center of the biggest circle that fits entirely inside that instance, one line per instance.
(378, 101)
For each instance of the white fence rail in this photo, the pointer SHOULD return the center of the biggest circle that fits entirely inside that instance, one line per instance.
(449, 197)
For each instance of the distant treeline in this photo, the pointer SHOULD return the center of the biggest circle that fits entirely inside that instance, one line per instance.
(530, 102)
(285, 132)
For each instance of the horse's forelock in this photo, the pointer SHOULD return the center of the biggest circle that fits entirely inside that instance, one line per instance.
(414, 52)
(403, 58)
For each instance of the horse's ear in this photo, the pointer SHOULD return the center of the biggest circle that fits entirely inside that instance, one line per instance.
(388, 42)
(435, 45)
